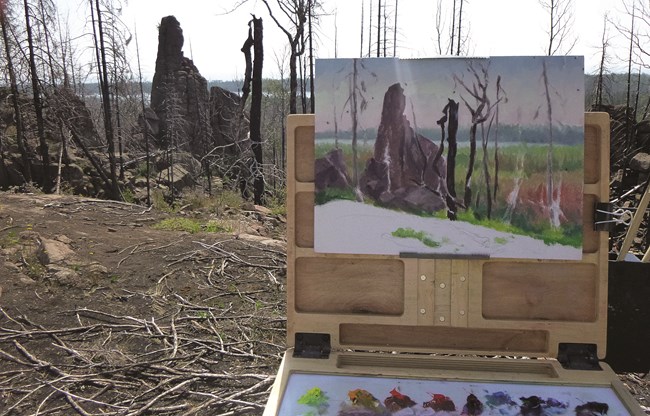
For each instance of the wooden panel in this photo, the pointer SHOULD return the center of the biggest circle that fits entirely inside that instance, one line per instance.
(592, 153)
(383, 302)
(304, 154)
(448, 338)
(590, 238)
(442, 297)
(304, 219)
(350, 285)
(540, 291)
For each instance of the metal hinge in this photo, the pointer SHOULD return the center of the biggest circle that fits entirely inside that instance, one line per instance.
(575, 356)
(312, 345)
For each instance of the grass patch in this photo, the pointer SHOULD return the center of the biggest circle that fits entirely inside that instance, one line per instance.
(11, 239)
(418, 235)
(330, 194)
(191, 225)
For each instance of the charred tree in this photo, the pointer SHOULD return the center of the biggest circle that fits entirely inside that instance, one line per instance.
(18, 116)
(106, 102)
(256, 112)
(297, 12)
(38, 103)
(145, 124)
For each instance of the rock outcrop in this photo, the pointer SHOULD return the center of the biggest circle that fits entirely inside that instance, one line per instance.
(331, 172)
(405, 171)
(179, 94)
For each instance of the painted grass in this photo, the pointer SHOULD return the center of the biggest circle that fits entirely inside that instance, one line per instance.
(527, 162)
(418, 235)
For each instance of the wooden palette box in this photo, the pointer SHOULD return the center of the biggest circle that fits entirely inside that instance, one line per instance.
(439, 327)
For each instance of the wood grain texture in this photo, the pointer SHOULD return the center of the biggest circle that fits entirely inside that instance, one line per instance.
(352, 285)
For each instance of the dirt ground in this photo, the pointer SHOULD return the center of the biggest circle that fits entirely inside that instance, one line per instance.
(102, 314)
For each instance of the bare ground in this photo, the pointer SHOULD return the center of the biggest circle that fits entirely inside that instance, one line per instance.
(102, 314)
(135, 320)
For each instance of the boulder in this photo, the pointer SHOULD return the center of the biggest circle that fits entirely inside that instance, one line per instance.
(331, 171)
(640, 162)
(53, 251)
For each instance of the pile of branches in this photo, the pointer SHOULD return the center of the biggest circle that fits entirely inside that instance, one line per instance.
(216, 354)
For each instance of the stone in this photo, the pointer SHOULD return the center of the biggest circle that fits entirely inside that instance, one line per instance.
(640, 162)
(181, 177)
(405, 171)
(330, 171)
(262, 210)
(95, 270)
(228, 127)
(52, 251)
(64, 239)
(179, 94)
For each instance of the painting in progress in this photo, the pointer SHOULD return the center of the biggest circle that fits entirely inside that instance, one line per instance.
(315, 394)
(450, 156)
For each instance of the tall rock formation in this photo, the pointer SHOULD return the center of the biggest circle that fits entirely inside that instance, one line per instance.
(179, 94)
(402, 173)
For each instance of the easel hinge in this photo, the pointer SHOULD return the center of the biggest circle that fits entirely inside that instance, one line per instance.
(575, 356)
(312, 345)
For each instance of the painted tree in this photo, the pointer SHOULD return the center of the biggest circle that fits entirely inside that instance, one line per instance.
(480, 111)
(552, 201)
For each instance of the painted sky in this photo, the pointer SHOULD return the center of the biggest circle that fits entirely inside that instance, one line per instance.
(428, 83)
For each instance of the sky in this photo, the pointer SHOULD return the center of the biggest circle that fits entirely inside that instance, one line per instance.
(429, 83)
(213, 36)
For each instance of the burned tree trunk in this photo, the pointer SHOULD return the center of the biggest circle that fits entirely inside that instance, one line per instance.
(256, 112)
(38, 103)
(20, 128)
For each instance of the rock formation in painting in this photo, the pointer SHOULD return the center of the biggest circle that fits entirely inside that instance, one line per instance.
(331, 171)
(401, 174)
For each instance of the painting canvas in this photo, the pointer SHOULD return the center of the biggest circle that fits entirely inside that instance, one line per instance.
(316, 394)
(450, 156)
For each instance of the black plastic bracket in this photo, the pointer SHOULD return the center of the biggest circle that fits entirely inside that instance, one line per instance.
(603, 219)
(574, 356)
(312, 345)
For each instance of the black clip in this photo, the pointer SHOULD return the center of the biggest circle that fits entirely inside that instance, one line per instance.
(312, 345)
(574, 356)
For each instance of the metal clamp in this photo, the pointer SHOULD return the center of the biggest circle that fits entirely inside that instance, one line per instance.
(606, 217)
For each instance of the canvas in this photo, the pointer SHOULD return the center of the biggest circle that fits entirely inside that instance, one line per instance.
(317, 394)
(472, 157)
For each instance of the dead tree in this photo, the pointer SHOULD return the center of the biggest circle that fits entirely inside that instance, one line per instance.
(18, 115)
(256, 112)
(296, 12)
(102, 63)
(559, 32)
(38, 102)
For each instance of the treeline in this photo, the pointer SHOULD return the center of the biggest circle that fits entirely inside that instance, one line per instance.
(562, 135)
